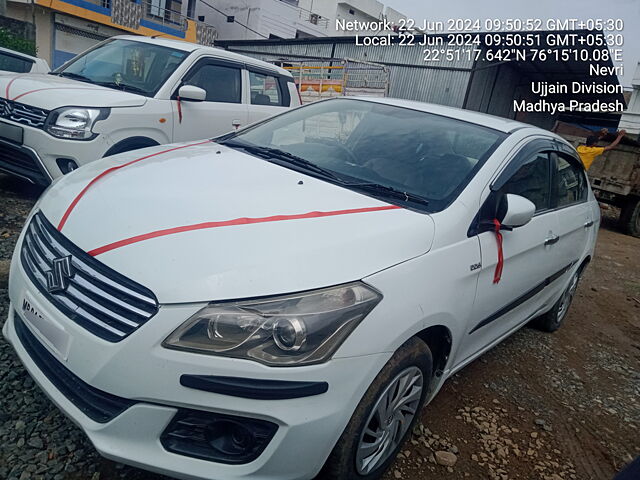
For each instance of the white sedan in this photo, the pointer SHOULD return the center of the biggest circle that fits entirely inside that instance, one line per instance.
(15, 62)
(281, 302)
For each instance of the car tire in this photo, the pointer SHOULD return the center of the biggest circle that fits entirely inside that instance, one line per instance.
(630, 217)
(554, 318)
(411, 366)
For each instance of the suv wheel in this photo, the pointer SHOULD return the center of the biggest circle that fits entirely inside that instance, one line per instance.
(553, 319)
(630, 217)
(384, 417)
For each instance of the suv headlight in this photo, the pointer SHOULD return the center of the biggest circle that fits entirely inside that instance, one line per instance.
(290, 330)
(74, 122)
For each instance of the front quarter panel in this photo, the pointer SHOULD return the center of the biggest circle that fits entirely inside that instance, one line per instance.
(437, 288)
(154, 120)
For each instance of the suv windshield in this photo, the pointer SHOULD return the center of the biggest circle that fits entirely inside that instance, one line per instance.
(401, 155)
(127, 65)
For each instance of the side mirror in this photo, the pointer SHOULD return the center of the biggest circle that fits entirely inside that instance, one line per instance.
(192, 93)
(519, 211)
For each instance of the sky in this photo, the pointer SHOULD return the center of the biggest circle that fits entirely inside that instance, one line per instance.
(627, 10)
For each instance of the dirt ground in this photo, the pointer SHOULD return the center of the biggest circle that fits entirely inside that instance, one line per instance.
(538, 406)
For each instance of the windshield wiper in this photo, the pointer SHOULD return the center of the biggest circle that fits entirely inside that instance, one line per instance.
(389, 192)
(73, 76)
(123, 87)
(290, 158)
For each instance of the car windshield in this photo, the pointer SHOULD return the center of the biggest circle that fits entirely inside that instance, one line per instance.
(402, 155)
(137, 67)
(14, 63)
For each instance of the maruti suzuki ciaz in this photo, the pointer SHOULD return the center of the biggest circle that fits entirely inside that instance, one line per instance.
(279, 303)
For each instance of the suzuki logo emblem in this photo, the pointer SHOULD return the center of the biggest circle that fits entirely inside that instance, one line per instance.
(59, 275)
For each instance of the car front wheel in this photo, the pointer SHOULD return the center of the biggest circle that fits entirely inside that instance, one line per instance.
(384, 417)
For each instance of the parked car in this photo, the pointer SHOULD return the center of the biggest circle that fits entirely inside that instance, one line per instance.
(127, 93)
(281, 302)
(16, 62)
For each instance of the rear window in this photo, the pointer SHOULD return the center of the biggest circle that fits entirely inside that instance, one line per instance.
(14, 63)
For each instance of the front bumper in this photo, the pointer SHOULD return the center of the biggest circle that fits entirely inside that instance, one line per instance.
(140, 370)
(36, 159)
(23, 162)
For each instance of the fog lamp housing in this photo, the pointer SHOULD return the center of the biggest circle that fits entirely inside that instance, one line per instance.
(217, 437)
(66, 165)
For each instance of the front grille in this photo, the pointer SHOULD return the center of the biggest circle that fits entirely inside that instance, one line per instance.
(91, 294)
(22, 113)
(99, 406)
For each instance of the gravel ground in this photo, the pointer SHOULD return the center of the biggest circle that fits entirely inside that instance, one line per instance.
(564, 406)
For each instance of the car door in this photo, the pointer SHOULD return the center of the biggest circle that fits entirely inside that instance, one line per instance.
(268, 94)
(221, 112)
(576, 224)
(529, 257)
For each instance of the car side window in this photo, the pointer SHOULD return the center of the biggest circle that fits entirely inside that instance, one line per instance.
(532, 181)
(569, 183)
(13, 63)
(265, 89)
(222, 83)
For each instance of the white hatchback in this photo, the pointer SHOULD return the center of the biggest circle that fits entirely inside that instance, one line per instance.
(281, 302)
(127, 93)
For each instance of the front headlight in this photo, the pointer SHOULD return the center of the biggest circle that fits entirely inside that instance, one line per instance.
(74, 122)
(290, 330)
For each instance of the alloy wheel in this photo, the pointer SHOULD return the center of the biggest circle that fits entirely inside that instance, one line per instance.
(567, 297)
(389, 420)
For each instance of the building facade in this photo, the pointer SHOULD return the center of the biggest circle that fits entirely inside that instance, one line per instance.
(256, 19)
(64, 28)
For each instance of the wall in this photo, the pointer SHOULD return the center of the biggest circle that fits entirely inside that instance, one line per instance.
(267, 17)
(43, 31)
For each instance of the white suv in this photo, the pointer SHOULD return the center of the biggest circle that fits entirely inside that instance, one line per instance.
(281, 303)
(131, 92)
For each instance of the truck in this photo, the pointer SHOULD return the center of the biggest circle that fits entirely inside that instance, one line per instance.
(317, 79)
(615, 179)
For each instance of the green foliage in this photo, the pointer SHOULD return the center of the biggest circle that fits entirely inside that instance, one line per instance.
(17, 43)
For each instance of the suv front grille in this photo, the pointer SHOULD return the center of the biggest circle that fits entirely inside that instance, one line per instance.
(22, 113)
(91, 294)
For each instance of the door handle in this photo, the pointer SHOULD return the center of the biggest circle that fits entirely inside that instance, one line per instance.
(551, 240)
(236, 123)
(588, 224)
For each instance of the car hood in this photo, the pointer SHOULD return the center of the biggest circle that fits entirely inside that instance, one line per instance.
(51, 91)
(204, 222)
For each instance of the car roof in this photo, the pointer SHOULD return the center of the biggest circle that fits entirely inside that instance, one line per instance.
(213, 51)
(496, 123)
